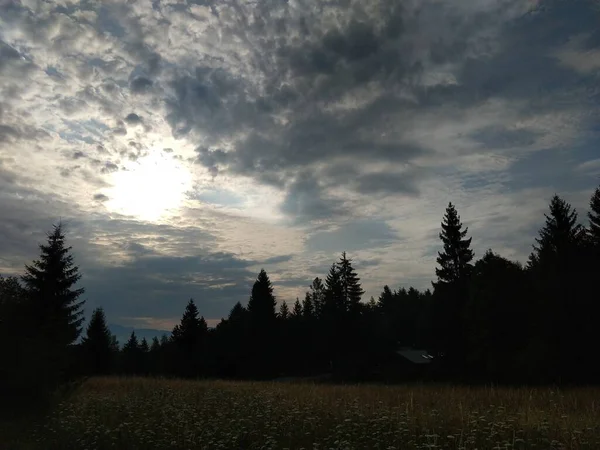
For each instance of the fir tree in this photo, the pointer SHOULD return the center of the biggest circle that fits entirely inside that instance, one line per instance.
(560, 237)
(333, 298)
(49, 284)
(455, 261)
(317, 294)
(97, 344)
(351, 288)
(307, 307)
(189, 334)
(297, 310)
(284, 311)
(144, 347)
(261, 306)
(594, 216)
(155, 346)
(131, 355)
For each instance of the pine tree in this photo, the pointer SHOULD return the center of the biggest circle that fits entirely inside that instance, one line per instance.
(261, 306)
(144, 347)
(53, 309)
(237, 314)
(455, 261)
(594, 216)
(97, 345)
(155, 346)
(317, 294)
(351, 288)
(560, 237)
(284, 311)
(192, 330)
(297, 310)
(49, 285)
(333, 298)
(308, 307)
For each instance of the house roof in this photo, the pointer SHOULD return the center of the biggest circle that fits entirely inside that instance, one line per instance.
(415, 356)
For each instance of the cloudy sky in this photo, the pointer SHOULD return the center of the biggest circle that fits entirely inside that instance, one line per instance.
(187, 144)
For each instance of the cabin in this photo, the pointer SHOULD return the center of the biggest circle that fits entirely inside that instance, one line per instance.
(407, 364)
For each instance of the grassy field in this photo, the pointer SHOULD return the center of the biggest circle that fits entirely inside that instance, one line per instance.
(136, 413)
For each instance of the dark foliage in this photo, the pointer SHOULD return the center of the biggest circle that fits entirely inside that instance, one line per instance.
(488, 321)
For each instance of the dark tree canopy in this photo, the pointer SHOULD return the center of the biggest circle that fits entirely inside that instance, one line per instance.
(284, 311)
(455, 260)
(97, 344)
(261, 306)
(49, 283)
(594, 217)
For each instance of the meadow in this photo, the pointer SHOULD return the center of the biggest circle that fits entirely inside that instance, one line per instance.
(145, 413)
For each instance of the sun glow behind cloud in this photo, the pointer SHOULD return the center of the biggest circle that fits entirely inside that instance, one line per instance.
(151, 188)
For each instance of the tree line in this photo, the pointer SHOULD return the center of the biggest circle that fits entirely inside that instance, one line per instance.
(492, 320)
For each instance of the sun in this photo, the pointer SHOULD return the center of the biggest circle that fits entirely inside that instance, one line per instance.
(151, 188)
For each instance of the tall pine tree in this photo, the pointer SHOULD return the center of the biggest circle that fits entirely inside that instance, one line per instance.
(451, 291)
(188, 339)
(53, 305)
(261, 306)
(455, 260)
(351, 288)
(97, 345)
(284, 311)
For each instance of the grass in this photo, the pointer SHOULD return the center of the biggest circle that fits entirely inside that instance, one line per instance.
(137, 413)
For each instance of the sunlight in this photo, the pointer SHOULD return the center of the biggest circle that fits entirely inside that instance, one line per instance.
(151, 188)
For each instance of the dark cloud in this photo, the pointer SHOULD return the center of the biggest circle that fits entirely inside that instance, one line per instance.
(133, 119)
(109, 167)
(140, 85)
(100, 197)
(79, 154)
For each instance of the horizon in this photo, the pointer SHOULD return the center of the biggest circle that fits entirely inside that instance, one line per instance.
(187, 146)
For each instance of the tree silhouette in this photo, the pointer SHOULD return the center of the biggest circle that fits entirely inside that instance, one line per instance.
(54, 313)
(261, 306)
(297, 310)
(284, 311)
(451, 291)
(97, 345)
(350, 286)
(131, 355)
(455, 260)
(594, 217)
(308, 307)
(317, 294)
(188, 339)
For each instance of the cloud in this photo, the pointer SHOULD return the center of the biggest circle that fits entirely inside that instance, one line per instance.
(301, 129)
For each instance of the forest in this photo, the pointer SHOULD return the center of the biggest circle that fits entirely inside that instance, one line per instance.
(486, 321)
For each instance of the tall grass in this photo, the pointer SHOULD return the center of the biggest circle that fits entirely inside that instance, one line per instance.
(137, 413)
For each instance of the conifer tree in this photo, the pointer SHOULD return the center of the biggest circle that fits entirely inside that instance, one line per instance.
(350, 286)
(317, 294)
(261, 306)
(155, 346)
(49, 284)
(53, 308)
(308, 307)
(560, 237)
(594, 217)
(144, 347)
(297, 310)
(333, 298)
(192, 330)
(97, 345)
(284, 311)
(455, 260)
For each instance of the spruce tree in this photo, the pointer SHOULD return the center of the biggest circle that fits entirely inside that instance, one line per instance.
(144, 347)
(317, 294)
(308, 307)
(284, 311)
(455, 260)
(333, 298)
(97, 345)
(192, 329)
(594, 216)
(261, 306)
(54, 311)
(351, 288)
(561, 235)
(297, 310)
(155, 346)
(49, 284)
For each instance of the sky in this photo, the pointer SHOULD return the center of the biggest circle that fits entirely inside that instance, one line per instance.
(185, 145)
